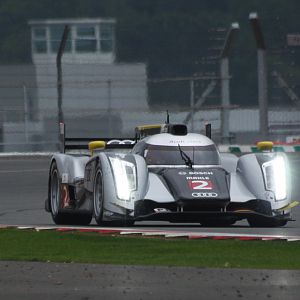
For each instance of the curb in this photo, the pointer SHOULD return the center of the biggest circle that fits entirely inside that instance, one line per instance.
(253, 149)
(161, 233)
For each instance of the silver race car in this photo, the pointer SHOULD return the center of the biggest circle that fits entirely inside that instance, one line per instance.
(171, 175)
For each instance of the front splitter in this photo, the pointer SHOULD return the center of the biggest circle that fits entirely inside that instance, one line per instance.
(203, 215)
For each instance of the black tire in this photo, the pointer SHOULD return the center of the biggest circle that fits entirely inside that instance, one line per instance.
(272, 222)
(123, 223)
(55, 203)
(98, 203)
(81, 219)
(55, 195)
(98, 197)
(128, 223)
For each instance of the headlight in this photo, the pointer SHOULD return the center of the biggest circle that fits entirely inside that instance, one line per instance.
(125, 177)
(275, 177)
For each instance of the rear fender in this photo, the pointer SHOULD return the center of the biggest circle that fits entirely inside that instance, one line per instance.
(71, 168)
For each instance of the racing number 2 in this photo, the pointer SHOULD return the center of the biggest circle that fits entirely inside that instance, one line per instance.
(200, 184)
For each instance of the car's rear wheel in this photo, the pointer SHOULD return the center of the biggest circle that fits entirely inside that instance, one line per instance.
(98, 197)
(272, 222)
(55, 196)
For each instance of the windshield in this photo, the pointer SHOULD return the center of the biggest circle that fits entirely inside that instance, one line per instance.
(170, 155)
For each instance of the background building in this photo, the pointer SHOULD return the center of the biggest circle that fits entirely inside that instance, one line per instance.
(118, 74)
(99, 95)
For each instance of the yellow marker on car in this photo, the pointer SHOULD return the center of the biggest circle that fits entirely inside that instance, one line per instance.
(291, 205)
(265, 146)
(96, 145)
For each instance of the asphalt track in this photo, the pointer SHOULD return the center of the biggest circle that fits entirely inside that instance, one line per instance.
(23, 187)
(35, 281)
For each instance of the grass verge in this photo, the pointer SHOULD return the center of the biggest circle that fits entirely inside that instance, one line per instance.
(29, 245)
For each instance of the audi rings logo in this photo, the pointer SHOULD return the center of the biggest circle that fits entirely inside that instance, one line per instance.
(204, 195)
(121, 142)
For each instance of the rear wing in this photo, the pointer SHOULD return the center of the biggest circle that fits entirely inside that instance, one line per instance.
(175, 129)
(147, 130)
(141, 132)
(72, 143)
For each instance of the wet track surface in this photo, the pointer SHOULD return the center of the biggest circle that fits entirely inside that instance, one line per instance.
(23, 186)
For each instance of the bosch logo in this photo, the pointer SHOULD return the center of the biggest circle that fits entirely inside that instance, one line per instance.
(204, 195)
(201, 173)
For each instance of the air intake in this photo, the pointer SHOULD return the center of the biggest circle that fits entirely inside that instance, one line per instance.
(177, 129)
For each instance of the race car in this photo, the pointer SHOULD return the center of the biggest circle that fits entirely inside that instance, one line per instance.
(168, 174)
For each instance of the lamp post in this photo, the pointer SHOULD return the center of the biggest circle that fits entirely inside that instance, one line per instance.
(225, 81)
(59, 55)
(261, 74)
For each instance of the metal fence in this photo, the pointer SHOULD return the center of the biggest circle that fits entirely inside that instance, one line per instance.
(19, 132)
(111, 100)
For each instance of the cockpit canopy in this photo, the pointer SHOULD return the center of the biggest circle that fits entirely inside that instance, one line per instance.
(171, 144)
(171, 155)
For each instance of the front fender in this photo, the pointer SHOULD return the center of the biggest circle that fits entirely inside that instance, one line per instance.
(111, 200)
(250, 171)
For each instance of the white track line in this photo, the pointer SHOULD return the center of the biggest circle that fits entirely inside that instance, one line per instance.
(24, 171)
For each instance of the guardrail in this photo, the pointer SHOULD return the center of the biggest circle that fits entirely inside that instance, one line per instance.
(235, 149)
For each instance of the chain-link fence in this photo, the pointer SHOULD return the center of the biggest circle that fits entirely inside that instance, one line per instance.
(100, 107)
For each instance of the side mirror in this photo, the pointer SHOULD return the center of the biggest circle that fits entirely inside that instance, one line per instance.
(265, 146)
(96, 145)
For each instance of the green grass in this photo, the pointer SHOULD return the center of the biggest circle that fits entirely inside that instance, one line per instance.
(29, 245)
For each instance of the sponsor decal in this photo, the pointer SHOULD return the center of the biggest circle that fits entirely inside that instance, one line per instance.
(200, 184)
(204, 195)
(182, 173)
(196, 173)
(194, 142)
(65, 196)
(176, 142)
(201, 173)
(64, 178)
(197, 178)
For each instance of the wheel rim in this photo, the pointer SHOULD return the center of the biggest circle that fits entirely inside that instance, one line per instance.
(55, 193)
(98, 203)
